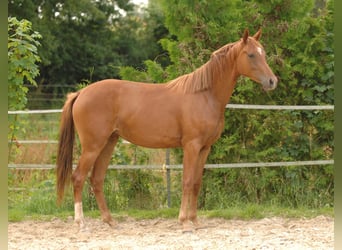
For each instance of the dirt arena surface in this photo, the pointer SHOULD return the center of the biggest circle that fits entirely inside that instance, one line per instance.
(269, 233)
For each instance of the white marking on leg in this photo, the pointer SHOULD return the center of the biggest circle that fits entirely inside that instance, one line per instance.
(79, 218)
(78, 211)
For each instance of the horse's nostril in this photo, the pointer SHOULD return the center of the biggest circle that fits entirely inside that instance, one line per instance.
(271, 82)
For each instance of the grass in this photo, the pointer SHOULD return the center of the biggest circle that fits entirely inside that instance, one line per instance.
(37, 202)
(243, 212)
(252, 211)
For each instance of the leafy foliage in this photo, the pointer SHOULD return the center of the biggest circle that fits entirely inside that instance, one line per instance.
(22, 59)
(22, 67)
(92, 38)
(298, 37)
(87, 40)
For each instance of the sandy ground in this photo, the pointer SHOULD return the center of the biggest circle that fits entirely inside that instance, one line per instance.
(269, 233)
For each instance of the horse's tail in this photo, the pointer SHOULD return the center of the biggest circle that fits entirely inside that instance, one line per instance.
(65, 146)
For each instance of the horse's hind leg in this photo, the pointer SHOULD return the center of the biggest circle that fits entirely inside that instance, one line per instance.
(85, 163)
(98, 176)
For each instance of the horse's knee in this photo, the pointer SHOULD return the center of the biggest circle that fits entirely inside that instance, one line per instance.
(196, 188)
(92, 180)
(96, 184)
(77, 180)
(191, 186)
(188, 184)
(97, 177)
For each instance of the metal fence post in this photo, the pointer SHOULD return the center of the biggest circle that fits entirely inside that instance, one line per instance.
(168, 177)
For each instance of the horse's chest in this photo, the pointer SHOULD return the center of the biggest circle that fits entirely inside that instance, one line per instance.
(207, 130)
(216, 131)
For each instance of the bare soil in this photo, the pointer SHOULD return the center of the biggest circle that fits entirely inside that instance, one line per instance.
(269, 233)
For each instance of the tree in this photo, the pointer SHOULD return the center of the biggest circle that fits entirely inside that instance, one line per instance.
(298, 37)
(86, 41)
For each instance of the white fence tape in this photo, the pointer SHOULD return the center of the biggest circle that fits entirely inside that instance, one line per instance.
(44, 111)
(229, 165)
(229, 106)
(280, 107)
(179, 166)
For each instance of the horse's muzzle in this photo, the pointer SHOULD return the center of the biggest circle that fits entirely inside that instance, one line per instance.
(270, 84)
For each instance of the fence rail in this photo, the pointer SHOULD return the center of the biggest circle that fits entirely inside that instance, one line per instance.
(42, 111)
(280, 107)
(228, 106)
(180, 166)
(167, 166)
(229, 165)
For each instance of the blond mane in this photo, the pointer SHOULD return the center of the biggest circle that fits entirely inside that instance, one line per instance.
(202, 78)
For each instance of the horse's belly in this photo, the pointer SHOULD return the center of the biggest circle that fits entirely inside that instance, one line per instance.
(152, 141)
(151, 134)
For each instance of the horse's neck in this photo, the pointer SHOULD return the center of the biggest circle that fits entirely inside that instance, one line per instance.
(224, 74)
(224, 85)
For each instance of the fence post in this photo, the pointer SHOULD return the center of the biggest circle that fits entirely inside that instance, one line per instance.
(168, 177)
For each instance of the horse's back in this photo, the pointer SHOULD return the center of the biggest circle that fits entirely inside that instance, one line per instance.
(145, 114)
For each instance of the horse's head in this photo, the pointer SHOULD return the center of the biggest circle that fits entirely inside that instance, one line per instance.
(251, 61)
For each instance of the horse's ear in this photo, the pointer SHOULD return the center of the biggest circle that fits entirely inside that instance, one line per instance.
(245, 36)
(257, 35)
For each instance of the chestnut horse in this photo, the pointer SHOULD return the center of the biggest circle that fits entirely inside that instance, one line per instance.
(187, 112)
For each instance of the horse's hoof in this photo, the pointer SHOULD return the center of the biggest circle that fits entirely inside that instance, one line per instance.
(198, 226)
(111, 223)
(188, 227)
(82, 228)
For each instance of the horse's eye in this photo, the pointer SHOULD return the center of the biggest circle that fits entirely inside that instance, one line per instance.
(251, 55)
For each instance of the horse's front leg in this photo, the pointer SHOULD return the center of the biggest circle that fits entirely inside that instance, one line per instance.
(192, 178)
(198, 177)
